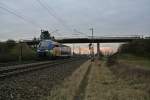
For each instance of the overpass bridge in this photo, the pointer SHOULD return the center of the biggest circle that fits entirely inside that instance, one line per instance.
(88, 40)
(97, 40)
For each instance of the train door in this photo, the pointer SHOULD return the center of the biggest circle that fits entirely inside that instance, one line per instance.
(57, 50)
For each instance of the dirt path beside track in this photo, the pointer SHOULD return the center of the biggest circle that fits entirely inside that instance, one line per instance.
(70, 88)
(103, 85)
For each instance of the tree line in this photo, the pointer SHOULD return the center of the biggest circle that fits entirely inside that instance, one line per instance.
(136, 47)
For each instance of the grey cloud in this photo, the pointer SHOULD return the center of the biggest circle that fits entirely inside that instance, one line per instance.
(108, 17)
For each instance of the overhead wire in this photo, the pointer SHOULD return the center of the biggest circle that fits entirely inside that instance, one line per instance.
(48, 8)
(52, 13)
(55, 15)
(13, 12)
(58, 17)
(81, 32)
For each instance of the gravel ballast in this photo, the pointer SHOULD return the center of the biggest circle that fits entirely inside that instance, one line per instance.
(35, 85)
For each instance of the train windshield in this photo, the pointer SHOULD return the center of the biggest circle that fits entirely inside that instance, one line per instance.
(46, 44)
(43, 44)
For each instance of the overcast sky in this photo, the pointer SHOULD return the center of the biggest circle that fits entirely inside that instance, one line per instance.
(107, 17)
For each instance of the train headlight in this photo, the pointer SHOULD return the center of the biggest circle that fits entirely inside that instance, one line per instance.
(38, 50)
(46, 50)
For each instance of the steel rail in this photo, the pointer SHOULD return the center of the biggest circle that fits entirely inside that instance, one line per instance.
(20, 70)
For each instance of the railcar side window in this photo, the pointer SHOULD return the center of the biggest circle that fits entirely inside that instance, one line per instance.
(56, 45)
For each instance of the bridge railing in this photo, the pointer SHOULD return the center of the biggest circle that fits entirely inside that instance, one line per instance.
(115, 37)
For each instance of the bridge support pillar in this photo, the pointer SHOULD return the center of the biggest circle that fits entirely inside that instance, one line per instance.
(98, 50)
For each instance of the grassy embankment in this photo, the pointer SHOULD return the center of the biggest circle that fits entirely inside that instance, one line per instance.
(135, 61)
(134, 70)
(132, 64)
(10, 52)
(105, 84)
(136, 53)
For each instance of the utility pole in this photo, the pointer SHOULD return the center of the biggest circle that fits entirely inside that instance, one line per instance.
(92, 49)
(20, 54)
(73, 50)
(79, 50)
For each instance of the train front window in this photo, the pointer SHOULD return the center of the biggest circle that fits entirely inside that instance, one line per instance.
(43, 44)
(46, 45)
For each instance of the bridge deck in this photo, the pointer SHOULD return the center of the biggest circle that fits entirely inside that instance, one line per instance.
(89, 40)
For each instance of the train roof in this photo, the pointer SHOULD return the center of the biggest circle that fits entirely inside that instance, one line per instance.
(53, 42)
(50, 41)
(64, 45)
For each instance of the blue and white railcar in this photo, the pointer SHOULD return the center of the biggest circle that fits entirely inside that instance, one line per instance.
(51, 49)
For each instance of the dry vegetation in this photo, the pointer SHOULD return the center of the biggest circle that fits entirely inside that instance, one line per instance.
(103, 82)
(137, 78)
(106, 84)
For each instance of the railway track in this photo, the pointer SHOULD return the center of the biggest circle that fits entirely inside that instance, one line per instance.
(16, 70)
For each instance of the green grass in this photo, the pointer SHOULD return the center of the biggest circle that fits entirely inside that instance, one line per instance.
(11, 54)
(136, 60)
(27, 53)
